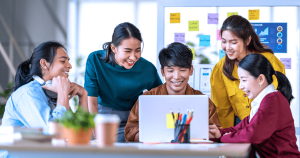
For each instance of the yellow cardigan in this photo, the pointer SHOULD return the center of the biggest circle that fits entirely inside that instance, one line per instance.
(227, 96)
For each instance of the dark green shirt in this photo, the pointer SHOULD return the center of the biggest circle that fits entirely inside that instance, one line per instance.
(115, 86)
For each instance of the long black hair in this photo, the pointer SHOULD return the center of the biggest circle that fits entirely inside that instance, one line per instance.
(176, 54)
(243, 29)
(257, 64)
(122, 31)
(28, 68)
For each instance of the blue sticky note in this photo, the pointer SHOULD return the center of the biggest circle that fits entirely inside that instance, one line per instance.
(204, 40)
(221, 54)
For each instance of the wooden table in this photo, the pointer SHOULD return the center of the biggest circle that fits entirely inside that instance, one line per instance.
(24, 149)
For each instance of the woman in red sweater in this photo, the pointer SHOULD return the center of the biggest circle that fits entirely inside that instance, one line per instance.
(270, 126)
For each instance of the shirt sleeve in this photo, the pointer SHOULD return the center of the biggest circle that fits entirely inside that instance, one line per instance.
(260, 128)
(156, 83)
(33, 110)
(132, 126)
(90, 78)
(219, 97)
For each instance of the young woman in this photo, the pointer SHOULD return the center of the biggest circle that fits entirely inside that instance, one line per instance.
(238, 40)
(117, 75)
(270, 126)
(30, 104)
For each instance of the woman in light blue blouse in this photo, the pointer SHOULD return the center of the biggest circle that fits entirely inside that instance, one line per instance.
(33, 103)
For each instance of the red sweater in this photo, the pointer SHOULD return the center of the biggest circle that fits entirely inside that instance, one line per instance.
(271, 131)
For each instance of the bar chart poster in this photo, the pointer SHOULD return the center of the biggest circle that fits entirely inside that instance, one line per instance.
(273, 35)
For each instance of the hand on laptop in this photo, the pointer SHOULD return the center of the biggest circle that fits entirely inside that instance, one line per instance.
(214, 132)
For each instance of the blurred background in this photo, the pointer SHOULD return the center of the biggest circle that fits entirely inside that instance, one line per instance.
(81, 25)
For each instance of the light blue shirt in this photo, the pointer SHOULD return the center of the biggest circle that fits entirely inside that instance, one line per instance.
(29, 106)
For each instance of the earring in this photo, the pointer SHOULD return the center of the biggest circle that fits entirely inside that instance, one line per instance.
(260, 85)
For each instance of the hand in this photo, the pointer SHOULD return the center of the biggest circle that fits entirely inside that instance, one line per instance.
(76, 89)
(59, 85)
(214, 131)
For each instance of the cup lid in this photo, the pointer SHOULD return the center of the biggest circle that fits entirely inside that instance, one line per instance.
(107, 118)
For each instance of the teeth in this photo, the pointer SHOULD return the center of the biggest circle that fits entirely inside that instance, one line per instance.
(66, 72)
(177, 82)
(129, 62)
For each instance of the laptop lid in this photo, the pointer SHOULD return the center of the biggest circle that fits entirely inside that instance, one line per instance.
(153, 110)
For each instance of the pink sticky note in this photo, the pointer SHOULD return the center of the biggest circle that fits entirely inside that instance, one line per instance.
(286, 62)
(218, 35)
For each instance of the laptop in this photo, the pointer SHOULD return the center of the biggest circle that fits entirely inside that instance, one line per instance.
(153, 110)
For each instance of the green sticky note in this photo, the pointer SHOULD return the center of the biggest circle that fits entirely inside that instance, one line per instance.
(231, 13)
(194, 25)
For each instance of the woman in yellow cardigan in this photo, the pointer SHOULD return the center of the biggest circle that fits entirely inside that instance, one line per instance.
(238, 40)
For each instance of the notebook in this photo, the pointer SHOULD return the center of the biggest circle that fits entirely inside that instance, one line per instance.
(153, 110)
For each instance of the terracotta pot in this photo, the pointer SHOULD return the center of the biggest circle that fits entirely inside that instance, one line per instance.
(80, 137)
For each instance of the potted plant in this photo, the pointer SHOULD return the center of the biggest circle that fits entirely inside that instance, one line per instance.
(77, 127)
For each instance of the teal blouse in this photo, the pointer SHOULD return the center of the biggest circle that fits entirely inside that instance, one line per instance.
(115, 86)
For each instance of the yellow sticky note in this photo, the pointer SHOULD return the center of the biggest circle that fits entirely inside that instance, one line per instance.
(170, 121)
(174, 17)
(254, 14)
(193, 51)
(231, 13)
(194, 25)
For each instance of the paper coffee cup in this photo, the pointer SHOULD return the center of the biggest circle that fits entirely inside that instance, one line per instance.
(106, 128)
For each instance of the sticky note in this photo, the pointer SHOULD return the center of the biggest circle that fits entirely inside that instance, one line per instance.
(170, 121)
(221, 54)
(212, 18)
(204, 40)
(193, 51)
(194, 25)
(219, 35)
(254, 14)
(179, 37)
(174, 17)
(286, 62)
(231, 13)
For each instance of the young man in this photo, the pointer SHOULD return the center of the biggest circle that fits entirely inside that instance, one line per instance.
(176, 67)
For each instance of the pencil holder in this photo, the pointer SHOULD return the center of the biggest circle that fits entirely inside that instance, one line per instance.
(182, 133)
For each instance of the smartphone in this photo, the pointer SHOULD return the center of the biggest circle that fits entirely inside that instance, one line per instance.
(205, 80)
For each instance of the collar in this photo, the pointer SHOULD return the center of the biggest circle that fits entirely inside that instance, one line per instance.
(40, 80)
(256, 102)
(189, 90)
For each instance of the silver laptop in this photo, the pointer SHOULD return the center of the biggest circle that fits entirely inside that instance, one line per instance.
(153, 110)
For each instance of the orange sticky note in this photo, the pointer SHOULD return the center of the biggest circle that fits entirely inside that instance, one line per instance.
(174, 17)
(254, 14)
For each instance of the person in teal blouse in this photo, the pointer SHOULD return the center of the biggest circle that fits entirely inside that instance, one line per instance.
(117, 75)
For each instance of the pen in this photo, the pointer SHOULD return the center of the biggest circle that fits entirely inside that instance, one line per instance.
(173, 116)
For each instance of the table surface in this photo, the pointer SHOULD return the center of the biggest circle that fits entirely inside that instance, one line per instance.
(213, 149)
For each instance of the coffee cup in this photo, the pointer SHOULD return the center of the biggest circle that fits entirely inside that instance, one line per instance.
(106, 129)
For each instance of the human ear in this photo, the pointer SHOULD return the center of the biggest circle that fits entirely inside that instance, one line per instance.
(44, 64)
(249, 40)
(261, 79)
(191, 70)
(162, 72)
(113, 48)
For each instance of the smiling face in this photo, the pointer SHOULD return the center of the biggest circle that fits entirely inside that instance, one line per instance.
(128, 52)
(233, 46)
(176, 79)
(251, 85)
(59, 67)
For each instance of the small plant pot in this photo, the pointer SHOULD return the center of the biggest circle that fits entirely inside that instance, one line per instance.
(80, 137)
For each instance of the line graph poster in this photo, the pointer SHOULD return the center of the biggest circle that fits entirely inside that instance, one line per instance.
(273, 35)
